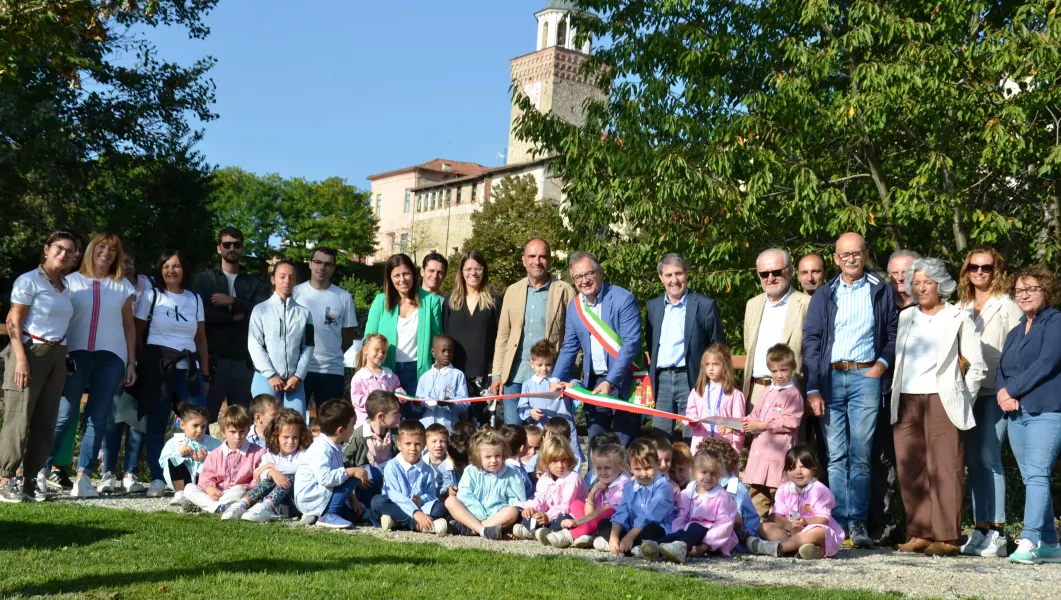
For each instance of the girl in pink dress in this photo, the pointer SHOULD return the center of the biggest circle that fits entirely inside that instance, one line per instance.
(802, 520)
(706, 513)
(371, 375)
(715, 395)
(773, 421)
(558, 488)
(580, 530)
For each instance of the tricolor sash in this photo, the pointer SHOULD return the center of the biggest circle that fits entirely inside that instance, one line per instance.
(641, 391)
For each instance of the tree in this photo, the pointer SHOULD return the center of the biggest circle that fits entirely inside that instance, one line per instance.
(731, 127)
(512, 217)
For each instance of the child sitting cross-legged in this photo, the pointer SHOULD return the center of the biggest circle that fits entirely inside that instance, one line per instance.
(324, 488)
(579, 531)
(373, 443)
(646, 510)
(515, 439)
(558, 487)
(410, 494)
(746, 522)
(184, 454)
(263, 409)
(705, 516)
(286, 439)
(490, 492)
(436, 456)
(531, 449)
(228, 470)
(557, 427)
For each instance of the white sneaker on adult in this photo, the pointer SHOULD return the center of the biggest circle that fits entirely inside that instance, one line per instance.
(132, 486)
(177, 499)
(157, 489)
(107, 484)
(83, 488)
(974, 544)
(333, 521)
(42, 485)
(995, 545)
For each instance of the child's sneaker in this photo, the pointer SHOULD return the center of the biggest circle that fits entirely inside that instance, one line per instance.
(492, 533)
(234, 512)
(675, 552)
(132, 486)
(178, 499)
(83, 488)
(542, 535)
(650, 551)
(386, 523)
(259, 513)
(811, 552)
(458, 528)
(762, 547)
(1026, 553)
(521, 532)
(107, 484)
(562, 539)
(333, 521)
(441, 527)
(636, 552)
(600, 544)
(308, 520)
(583, 542)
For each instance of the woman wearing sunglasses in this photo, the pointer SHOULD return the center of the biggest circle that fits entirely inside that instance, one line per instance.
(983, 293)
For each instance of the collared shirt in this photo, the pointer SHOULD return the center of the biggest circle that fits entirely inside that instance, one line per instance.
(745, 506)
(554, 496)
(364, 382)
(378, 447)
(643, 505)
(320, 470)
(516, 465)
(599, 356)
(403, 481)
(50, 310)
(533, 328)
(254, 438)
(225, 467)
(437, 384)
(285, 463)
(561, 407)
(853, 327)
(483, 494)
(672, 333)
(445, 476)
(611, 495)
(771, 326)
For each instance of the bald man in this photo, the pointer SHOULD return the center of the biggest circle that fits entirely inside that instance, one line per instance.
(848, 346)
(811, 273)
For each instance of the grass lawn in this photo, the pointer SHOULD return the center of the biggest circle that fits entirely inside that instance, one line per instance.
(80, 552)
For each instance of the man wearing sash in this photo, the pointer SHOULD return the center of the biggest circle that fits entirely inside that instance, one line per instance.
(680, 325)
(604, 322)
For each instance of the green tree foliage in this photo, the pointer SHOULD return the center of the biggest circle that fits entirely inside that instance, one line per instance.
(302, 214)
(731, 127)
(505, 224)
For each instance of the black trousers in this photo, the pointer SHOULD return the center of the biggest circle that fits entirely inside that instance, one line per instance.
(652, 531)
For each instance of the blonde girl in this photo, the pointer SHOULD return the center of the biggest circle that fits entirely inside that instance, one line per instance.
(490, 492)
(371, 375)
(715, 395)
(558, 489)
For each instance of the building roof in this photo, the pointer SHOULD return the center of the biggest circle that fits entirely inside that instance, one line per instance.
(561, 5)
(439, 165)
(491, 172)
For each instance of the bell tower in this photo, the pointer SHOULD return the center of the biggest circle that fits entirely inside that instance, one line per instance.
(550, 76)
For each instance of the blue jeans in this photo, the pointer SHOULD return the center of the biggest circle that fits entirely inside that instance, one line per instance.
(1036, 440)
(134, 441)
(406, 372)
(512, 404)
(160, 418)
(339, 504)
(295, 400)
(673, 397)
(102, 372)
(983, 456)
(850, 422)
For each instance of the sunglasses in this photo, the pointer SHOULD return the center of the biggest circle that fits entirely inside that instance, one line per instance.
(231, 245)
(774, 273)
(981, 268)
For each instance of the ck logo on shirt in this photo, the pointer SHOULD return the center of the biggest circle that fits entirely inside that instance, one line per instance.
(175, 314)
(330, 318)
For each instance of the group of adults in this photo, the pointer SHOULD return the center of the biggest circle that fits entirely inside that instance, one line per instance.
(903, 388)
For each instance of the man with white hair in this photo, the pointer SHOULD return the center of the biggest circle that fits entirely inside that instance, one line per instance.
(898, 264)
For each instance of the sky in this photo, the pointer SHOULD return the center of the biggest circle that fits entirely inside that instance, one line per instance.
(348, 88)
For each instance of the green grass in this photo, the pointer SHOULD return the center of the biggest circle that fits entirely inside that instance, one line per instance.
(77, 552)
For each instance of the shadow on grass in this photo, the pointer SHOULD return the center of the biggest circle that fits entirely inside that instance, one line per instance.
(22, 535)
(113, 581)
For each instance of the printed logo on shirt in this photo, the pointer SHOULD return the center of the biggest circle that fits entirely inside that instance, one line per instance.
(330, 318)
(175, 314)
(806, 508)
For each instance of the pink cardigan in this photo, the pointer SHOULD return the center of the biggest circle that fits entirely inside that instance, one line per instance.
(554, 496)
(781, 409)
(728, 405)
(364, 383)
(225, 467)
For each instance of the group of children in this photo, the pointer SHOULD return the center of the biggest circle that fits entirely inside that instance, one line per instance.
(437, 474)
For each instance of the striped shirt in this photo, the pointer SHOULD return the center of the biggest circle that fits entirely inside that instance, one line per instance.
(853, 327)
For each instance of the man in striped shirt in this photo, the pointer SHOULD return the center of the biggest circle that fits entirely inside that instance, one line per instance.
(848, 347)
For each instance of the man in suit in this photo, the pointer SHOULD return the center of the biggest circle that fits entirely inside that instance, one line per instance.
(534, 308)
(681, 325)
(604, 322)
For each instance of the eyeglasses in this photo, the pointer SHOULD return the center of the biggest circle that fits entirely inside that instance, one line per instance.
(321, 263)
(775, 273)
(588, 275)
(231, 245)
(61, 250)
(973, 268)
(471, 270)
(1028, 291)
(849, 255)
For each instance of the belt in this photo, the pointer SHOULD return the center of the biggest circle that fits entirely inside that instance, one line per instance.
(850, 365)
(672, 370)
(42, 340)
(762, 380)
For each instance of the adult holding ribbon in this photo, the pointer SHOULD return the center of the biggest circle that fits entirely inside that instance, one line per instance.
(604, 322)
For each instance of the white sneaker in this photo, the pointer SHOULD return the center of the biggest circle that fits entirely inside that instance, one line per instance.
(975, 543)
(259, 513)
(233, 512)
(441, 527)
(132, 486)
(386, 523)
(157, 489)
(561, 539)
(994, 546)
(83, 488)
(521, 532)
(675, 552)
(600, 544)
(308, 520)
(107, 484)
(542, 535)
(333, 521)
(42, 485)
(649, 551)
(584, 542)
(636, 553)
(177, 500)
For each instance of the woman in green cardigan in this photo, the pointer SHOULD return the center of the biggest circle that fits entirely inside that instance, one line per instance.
(409, 318)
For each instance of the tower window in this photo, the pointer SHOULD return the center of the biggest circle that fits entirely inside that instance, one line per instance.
(545, 35)
(475, 188)
(561, 33)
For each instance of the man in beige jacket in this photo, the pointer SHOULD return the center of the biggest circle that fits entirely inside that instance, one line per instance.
(534, 308)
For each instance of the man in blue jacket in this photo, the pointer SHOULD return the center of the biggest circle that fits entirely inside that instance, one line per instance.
(604, 322)
(848, 348)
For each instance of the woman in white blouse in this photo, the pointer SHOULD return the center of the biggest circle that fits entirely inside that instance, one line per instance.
(938, 370)
(102, 343)
(983, 295)
(34, 368)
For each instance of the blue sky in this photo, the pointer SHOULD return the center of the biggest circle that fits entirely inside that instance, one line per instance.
(348, 88)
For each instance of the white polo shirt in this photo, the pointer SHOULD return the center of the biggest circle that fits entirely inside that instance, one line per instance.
(49, 311)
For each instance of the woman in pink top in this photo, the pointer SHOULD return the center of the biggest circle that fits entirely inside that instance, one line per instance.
(371, 375)
(773, 421)
(715, 395)
(558, 487)
(802, 519)
(580, 529)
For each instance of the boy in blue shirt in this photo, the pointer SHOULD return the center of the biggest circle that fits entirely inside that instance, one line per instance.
(647, 508)
(410, 492)
(538, 411)
(442, 382)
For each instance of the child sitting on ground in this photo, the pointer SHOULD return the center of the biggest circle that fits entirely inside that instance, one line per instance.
(773, 421)
(286, 439)
(802, 520)
(371, 375)
(324, 489)
(609, 462)
(558, 487)
(263, 410)
(314, 427)
(442, 382)
(746, 523)
(715, 395)
(537, 411)
(557, 427)
(515, 439)
(490, 492)
(705, 516)
(681, 464)
(228, 470)
(436, 456)
(457, 450)
(534, 445)
(646, 510)
(665, 456)
(183, 455)
(373, 444)
(598, 441)
(410, 493)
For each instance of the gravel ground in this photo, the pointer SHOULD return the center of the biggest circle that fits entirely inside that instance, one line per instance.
(877, 570)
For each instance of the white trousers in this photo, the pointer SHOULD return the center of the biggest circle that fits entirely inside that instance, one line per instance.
(195, 494)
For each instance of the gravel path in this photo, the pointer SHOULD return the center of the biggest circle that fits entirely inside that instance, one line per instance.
(877, 570)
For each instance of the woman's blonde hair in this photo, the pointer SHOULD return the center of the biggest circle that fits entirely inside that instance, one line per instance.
(117, 269)
(460, 287)
(365, 343)
(999, 285)
(554, 449)
(729, 379)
